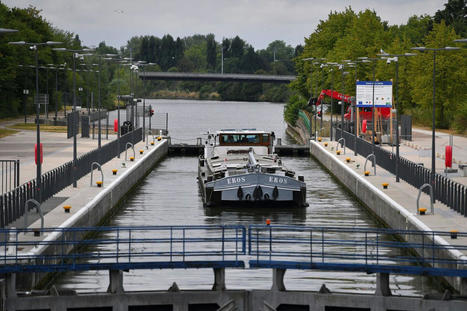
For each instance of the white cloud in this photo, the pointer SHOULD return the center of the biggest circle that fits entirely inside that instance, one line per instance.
(257, 21)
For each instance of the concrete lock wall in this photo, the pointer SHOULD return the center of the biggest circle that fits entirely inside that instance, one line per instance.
(387, 210)
(240, 300)
(96, 210)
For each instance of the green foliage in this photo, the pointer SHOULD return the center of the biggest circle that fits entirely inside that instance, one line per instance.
(349, 35)
(211, 46)
(454, 14)
(296, 103)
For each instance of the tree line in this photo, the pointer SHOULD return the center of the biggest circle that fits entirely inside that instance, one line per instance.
(202, 53)
(197, 53)
(348, 35)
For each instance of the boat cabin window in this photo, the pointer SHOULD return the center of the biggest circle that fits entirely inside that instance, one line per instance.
(244, 139)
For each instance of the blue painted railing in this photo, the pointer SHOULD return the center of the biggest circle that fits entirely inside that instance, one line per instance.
(369, 250)
(355, 249)
(122, 248)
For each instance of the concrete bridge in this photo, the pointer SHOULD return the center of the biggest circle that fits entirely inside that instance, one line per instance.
(230, 77)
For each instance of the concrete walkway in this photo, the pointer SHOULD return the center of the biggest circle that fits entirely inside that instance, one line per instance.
(444, 218)
(419, 151)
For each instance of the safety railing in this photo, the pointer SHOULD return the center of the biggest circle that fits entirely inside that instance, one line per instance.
(12, 203)
(354, 249)
(445, 190)
(369, 250)
(9, 175)
(121, 248)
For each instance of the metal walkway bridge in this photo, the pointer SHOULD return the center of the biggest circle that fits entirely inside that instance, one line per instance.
(283, 247)
(226, 77)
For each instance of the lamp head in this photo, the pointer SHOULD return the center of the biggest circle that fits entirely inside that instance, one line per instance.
(17, 43)
(419, 48)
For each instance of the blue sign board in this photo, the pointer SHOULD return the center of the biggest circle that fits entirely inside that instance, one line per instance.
(381, 91)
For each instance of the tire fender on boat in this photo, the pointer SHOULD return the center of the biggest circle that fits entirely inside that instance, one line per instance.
(240, 193)
(275, 193)
(258, 193)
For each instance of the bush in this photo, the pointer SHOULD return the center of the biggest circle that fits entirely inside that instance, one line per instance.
(296, 103)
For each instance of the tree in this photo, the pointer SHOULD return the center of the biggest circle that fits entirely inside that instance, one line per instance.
(455, 15)
(451, 74)
(167, 52)
(154, 47)
(211, 47)
(237, 47)
(226, 47)
(144, 49)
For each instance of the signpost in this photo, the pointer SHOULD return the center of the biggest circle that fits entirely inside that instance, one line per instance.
(381, 91)
(383, 94)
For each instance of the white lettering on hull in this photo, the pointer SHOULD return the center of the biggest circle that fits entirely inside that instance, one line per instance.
(278, 180)
(235, 180)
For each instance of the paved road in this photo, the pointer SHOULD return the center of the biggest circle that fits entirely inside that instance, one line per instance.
(56, 147)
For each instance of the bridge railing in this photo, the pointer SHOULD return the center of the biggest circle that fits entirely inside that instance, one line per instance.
(355, 249)
(121, 248)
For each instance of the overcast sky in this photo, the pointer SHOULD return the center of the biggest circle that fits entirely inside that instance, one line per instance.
(259, 22)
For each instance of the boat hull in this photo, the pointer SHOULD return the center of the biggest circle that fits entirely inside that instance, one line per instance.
(256, 188)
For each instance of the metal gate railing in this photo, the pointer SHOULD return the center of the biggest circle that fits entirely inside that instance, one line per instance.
(9, 175)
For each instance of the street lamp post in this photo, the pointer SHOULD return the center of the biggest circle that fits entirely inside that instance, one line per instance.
(122, 62)
(395, 58)
(354, 64)
(373, 60)
(57, 68)
(35, 47)
(433, 153)
(75, 54)
(345, 63)
(311, 92)
(142, 64)
(332, 64)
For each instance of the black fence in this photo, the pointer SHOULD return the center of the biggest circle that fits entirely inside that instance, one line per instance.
(12, 203)
(9, 175)
(445, 189)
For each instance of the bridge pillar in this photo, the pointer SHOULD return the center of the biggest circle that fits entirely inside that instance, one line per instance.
(382, 284)
(278, 279)
(219, 279)
(10, 285)
(115, 282)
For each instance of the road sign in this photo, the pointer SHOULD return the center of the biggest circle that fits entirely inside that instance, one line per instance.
(382, 95)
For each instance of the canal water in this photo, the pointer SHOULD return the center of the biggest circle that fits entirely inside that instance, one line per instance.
(169, 196)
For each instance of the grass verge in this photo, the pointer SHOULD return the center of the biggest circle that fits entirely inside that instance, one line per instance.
(6, 132)
(45, 128)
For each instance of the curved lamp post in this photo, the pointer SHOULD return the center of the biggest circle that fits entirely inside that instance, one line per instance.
(433, 125)
(75, 55)
(35, 47)
(395, 58)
